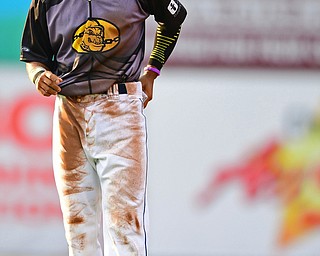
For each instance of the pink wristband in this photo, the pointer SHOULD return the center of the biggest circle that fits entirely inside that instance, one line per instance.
(155, 70)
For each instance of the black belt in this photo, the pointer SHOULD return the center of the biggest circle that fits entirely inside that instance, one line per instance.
(122, 89)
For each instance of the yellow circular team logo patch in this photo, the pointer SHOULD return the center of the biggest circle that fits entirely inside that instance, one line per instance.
(95, 35)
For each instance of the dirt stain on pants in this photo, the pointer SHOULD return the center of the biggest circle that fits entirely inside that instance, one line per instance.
(99, 155)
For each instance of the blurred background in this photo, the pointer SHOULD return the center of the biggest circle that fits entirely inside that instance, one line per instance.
(234, 137)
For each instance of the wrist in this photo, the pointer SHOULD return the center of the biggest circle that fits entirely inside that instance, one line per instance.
(35, 73)
(152, 69)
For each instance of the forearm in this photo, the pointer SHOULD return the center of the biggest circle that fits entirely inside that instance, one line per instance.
(165, 41)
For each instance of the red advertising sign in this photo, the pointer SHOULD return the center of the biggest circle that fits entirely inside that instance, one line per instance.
(26, 176)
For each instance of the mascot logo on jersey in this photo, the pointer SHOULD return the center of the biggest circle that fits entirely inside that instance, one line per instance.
(95, 35)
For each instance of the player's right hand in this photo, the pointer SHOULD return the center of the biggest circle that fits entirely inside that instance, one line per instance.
(47, 84)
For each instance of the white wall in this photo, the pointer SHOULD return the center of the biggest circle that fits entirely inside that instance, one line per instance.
(202, 120)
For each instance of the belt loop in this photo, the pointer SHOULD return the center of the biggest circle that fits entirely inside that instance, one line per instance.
(115, 89)
(110, 91)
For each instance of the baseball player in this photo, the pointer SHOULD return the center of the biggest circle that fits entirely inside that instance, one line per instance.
(88, 53)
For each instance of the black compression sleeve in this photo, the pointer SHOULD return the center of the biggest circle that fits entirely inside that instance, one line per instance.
(163, 46)
(169, 14)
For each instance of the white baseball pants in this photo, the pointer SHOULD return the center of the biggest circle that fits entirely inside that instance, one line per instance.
(100, 164)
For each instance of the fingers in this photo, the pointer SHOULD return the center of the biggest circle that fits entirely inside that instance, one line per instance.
(145, 103)
(147, 87)
(47, 84)
(148, 90)
(147, 98)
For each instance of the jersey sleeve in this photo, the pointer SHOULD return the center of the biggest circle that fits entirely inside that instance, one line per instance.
(169, 14)
(35, 43)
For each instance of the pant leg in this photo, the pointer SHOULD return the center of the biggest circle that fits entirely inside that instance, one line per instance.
(107, 136)
(76, 180)
(120, 150)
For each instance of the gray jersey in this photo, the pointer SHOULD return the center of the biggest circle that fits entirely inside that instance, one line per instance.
(92, 44)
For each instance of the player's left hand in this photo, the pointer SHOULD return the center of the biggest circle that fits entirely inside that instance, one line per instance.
(147, 81)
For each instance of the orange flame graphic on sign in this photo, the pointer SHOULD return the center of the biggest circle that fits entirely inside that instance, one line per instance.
(286, 170)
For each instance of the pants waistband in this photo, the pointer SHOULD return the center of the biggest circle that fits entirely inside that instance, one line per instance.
(130, 88)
